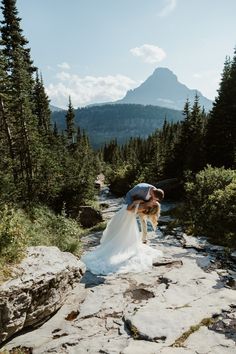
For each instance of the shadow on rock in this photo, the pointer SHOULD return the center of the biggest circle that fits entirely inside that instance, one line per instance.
(91, 280)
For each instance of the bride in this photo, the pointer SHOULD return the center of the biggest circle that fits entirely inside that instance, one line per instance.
(121, 249)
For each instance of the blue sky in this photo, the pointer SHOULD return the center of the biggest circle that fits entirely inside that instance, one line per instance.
(95, 50)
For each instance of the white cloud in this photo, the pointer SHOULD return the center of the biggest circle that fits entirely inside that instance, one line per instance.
(63, 76)
(149, 53)
(88, 89)
(169, 6)
(64, 66)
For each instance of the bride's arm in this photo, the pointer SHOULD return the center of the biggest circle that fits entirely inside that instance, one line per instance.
(133, 206)
(141, 205)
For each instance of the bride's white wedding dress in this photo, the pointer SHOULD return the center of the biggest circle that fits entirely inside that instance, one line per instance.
(121, 249)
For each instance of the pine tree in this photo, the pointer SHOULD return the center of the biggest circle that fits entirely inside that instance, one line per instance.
(79, 174)
(186, 140)
(13, 42)
(6, 140)
(78, 134)
(19, 90)
(221, 128)
(70, 123)
(174, 164)
(40, 163)
(55, 130)
(41, 106)
(7, 162)
(194, 157)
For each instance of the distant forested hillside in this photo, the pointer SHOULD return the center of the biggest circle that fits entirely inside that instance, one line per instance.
(120, 121)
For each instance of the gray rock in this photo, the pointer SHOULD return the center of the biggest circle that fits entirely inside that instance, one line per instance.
(216, 342)
(164, 220)
(198, 243)
(233, 255)
(216, 248)
(171, 321)
(168, 262)
(141, 347)
(43, 281)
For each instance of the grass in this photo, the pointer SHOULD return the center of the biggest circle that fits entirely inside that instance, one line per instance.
(40, 226)
(204, 322)
(37, 226)
(99, 227)
(133, 330)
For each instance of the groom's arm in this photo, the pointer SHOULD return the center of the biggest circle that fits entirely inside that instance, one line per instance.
(128, 199)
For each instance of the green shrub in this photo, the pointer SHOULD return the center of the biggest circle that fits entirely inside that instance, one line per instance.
(65, 234)
(50, 229)
(13, 239)
(35, 227)
(121, 180)
(13, 235)
(210, 206)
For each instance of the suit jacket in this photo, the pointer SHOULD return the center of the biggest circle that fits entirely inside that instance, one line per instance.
(139, 191)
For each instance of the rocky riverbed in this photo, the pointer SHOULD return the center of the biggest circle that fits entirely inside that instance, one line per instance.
(185, 304)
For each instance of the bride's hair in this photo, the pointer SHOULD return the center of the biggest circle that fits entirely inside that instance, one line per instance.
(154, 209)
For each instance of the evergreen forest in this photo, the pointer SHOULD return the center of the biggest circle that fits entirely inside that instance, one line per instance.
(118, 121)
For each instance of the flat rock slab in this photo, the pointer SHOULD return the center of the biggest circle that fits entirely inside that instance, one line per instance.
(170, 309)
(144, 347)
(217, 342)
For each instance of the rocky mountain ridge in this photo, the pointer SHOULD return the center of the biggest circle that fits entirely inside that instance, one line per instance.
(163, 89)
(138, 114)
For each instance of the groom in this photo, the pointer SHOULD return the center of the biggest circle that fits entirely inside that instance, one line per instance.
(146, 192)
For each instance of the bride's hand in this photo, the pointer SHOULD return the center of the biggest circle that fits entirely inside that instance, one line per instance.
(138, 201)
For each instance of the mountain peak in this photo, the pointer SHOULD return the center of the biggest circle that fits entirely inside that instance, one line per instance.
(163, 71)
(163, 74)
(162, 88)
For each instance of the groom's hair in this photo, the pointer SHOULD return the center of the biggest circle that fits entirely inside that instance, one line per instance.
(159, 194)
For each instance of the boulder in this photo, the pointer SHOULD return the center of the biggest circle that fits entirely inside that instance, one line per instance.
(89, 216)
(233, 256)
(39, 287)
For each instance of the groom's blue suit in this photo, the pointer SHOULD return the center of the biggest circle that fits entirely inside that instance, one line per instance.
(139, 191)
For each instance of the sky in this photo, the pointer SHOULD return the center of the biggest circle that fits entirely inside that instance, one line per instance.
(96, 50)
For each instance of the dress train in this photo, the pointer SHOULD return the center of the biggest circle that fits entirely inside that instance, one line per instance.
(121, 249)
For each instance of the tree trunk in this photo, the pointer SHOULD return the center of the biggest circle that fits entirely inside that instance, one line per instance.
(9, 138)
